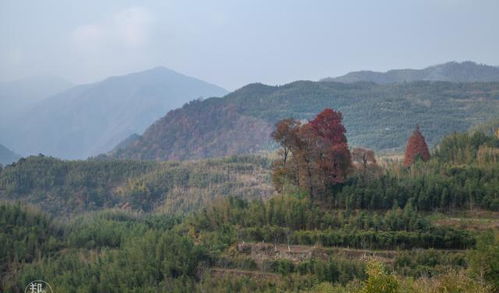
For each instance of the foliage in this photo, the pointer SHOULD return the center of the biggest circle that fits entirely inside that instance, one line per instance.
(123, 251)
(378, 280)
(309, 244)
(467, 148)
(314, 155)
(416, 148)
(443, 183)
(451, 281)
(466, 71)
(427, 187)
(104, 252)
(111, 228)
(66, 188)
(428, 263)
(334, 270)
(484, 260)
(462, 174)
(149, 262)
(298, 221)
(363, 157)
(241, 122)
(26, 235)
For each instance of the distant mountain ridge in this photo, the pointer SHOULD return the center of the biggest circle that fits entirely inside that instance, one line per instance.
(377, 116)
(7, 156)
(34, 88)
(452, 71)
(20, 95)
(89, 119)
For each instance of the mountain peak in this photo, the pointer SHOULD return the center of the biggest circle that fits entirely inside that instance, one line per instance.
(158, 70)
(89, 119)
(154, 71)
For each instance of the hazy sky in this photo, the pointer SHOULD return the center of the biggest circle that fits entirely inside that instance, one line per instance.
(232, 43)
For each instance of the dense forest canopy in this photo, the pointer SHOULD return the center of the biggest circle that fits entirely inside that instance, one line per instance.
(462, 174)
(65, 188)
(214, 225)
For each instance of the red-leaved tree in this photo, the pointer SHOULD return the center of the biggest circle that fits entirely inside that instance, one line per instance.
(416, 148)
(328, 125)
(313, 155)
(334, 155)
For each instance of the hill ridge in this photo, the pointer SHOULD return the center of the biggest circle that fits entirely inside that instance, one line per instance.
(466, 71)
(241, 122)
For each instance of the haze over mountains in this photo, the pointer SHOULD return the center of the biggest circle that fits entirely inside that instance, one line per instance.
(7, 156)
(27, 91)
(89, 119)
(20, 95)
(452, 71)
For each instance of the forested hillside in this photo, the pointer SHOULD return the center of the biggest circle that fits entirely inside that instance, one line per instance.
(241, 122)
(452, 71)
(429, 227)
(65, 188)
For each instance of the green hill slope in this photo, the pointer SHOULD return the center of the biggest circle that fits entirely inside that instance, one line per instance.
(452, 71)
(65, 188)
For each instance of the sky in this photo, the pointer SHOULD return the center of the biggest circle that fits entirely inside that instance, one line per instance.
(235, 42)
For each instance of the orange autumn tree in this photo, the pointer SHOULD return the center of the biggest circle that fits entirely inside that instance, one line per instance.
(313, 155)
(416, 148)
